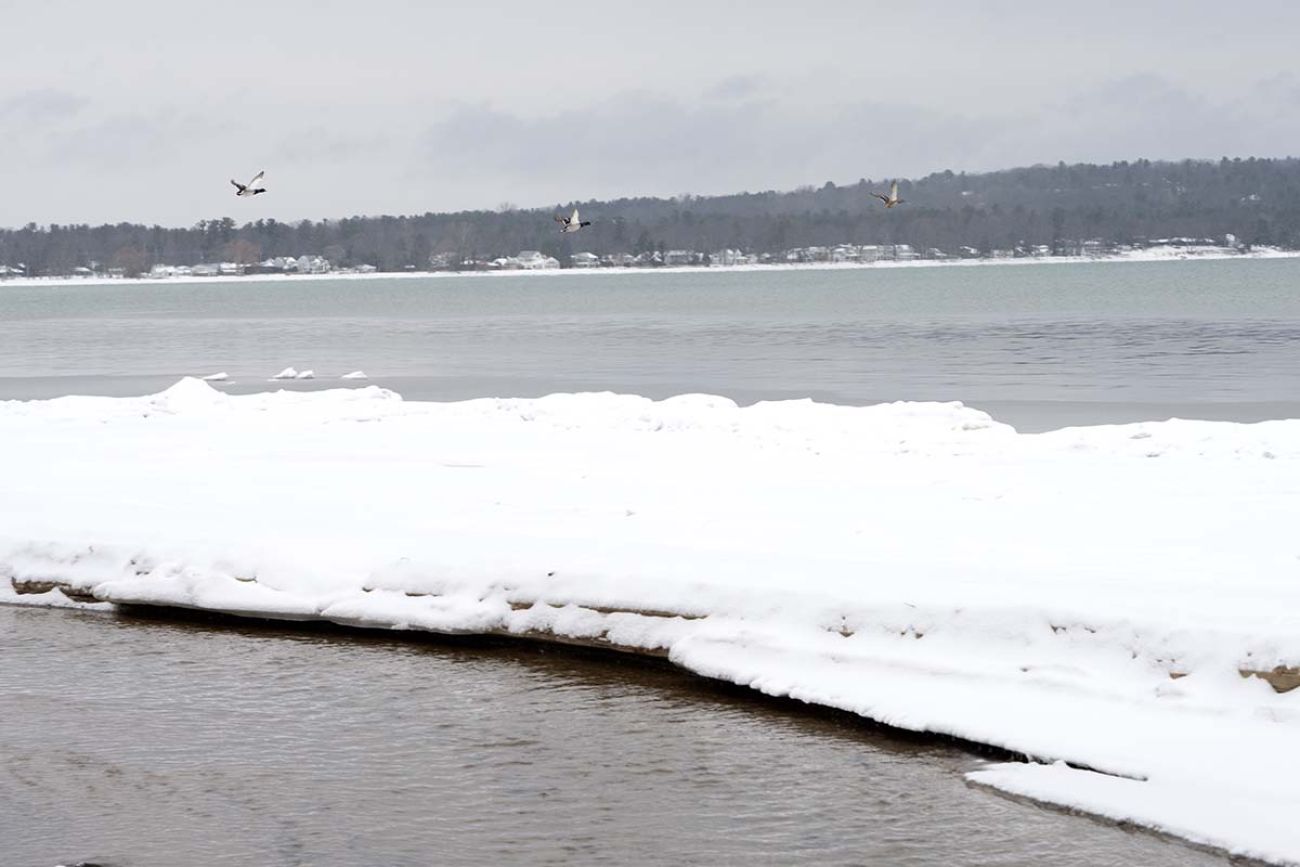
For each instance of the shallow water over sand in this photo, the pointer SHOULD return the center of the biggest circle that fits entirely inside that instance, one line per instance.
(138, 743)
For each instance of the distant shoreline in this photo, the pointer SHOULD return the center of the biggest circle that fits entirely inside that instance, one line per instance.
(1162, 254)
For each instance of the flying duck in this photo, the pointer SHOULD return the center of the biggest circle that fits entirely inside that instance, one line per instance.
(571, 224)
(891, 199)
(251, 188)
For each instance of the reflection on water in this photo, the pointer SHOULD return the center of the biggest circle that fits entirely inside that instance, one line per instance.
(141, 743)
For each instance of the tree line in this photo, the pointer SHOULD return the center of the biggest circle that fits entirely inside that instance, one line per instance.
(1256, 200)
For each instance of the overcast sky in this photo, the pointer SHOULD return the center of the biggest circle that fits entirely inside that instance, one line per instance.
(142, 111)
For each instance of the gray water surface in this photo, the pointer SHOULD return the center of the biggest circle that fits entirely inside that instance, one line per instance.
(140, 743)
(1036, 345)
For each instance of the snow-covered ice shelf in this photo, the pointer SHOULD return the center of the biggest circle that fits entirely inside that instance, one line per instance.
(1103, 597)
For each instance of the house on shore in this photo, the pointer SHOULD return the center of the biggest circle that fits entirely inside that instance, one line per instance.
(527, 260)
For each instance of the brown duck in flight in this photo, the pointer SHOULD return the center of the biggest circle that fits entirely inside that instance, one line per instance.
(891, 199)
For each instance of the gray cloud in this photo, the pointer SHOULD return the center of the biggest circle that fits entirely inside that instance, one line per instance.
(1148, 115)
(129, 142)
(1282, 89)
(39, 107)
(737, 87)
(320, 144)
(647, 143)
(639, 143)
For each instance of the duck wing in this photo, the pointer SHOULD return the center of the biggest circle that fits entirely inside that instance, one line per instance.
(257, 177)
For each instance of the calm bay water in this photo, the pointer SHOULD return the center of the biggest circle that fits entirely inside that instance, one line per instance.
(149, 744)
(1037, 345)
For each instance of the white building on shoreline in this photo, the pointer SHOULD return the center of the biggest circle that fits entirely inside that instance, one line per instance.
(527, 260)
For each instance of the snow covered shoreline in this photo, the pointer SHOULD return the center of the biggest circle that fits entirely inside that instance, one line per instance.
(1090, 595)
(1158, 254)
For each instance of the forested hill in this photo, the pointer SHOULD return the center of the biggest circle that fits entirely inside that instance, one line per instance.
(1256, 200)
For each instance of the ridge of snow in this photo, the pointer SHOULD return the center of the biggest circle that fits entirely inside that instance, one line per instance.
(1087, 595)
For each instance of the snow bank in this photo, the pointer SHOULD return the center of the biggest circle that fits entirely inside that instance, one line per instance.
(217, 377)
(287, 373)
(1090, 595)
(356, 374)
